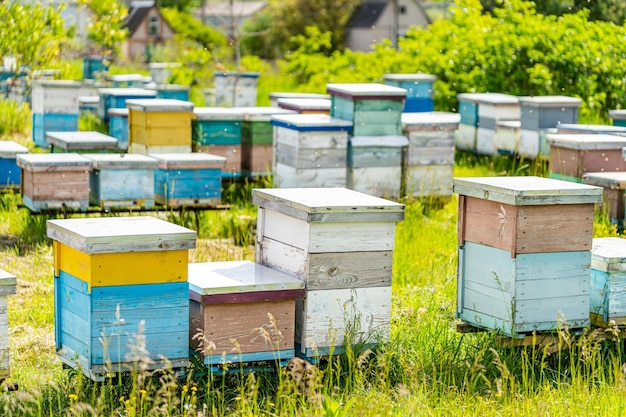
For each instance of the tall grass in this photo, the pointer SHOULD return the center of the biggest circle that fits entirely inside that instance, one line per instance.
(15, 118)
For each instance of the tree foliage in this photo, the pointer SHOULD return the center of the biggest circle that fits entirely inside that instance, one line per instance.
(106, 27)
(180, 5)
(33, 34)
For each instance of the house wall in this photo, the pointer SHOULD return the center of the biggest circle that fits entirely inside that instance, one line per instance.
(137, 44)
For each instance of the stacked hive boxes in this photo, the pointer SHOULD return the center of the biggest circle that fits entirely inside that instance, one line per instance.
(492, 108)
(340, 243)
(8, 284)
(572, 155)
(115, 98)
(159, 126)
(310, 150)
(235, 89)
(376, 145)
(217, 130)
(54, 105)
(241, 311)
(420, 90)
(539, 114)
(54, 181)
(121, 293)
(524, 253)
(608, 281)
(429, 160)
(9, 170)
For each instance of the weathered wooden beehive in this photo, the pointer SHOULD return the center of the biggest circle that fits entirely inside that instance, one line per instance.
(54, 105)
(8, 285)
(506, 136)
(257, 135)
(374, 109)
(306, 105)
(235, 89)
(524, 253)
(188, 179)
(493, 107)
(9, 170)
(614, 195)
(115, 98)
(539, 113)
(121, 293)
(618, 117)
(173, 91)
(310, 150)
(54, 181)
(429, 160)
(241, 312)
(608, 281)
(572, 155)
(118, 126)
(420, 90)
(340, 243)
(217, 131)
(122, 181)
(465, 138)
(159, 126)
(277, 95)
(576, 128)
(81, 142)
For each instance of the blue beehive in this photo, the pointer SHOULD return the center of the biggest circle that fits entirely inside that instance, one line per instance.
(9, 170)
(115, 98)
(173, 91)
(420, 90)
(608, 281)
(118, 126)
(94, 67)
(618, 117)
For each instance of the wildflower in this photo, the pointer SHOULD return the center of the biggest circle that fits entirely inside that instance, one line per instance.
(73, 397)
(143, 392)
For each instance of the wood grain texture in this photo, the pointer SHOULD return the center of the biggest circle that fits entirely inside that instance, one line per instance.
(55, 186)
(122, 187)
(257, 158)
(286, 176)
(439, 155)
(232, 153)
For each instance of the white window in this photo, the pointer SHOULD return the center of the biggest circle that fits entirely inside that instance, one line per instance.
(153, 26)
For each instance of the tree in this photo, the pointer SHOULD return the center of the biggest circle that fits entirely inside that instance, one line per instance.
(106, 29)
(180, 5)
(604, 10)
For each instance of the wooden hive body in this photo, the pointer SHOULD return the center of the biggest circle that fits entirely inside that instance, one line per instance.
(419, 90)
(618, 117)
(242, 303)
(118, 126)
(217, 131)
(43, 123)
(493, 107)
(614, 193)
(340, 243)
(173, 91)
(506, 136)
(10, 173)
(55, 96)
(517, 273)
(115, 98)
(235, 89)
(120, 284)
(608, 281)
(8, 285)
(54, 181)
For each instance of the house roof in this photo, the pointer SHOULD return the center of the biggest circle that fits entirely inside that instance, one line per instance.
(367, 14)
(136, 13)
(240, 8)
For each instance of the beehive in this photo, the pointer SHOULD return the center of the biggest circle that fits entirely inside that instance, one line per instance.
(54, 105)
(468, 109)
(121, 293)
(340, 243)
(608, 281)
(88, 104)
(310, 150)
(8, 284)
(54, 181)
(257, 136)
(305, 105)
(52, 122)
(543, 112)
(235, 89)
(241, 311)
(576, 128)
(429, 160)
(493, 107)
(217, 131)
(115, 98)
(375, 165)
(618, 117)
(122, 181)
(420, 90)
(160, 72)
(524, 253)
(94, 67)
(127, 80)
(192, 179)
(173, 91)
(277, 95)
(506, 136)
(374, 109)
(9, 170)
(159, 126)
(572, 155)
(118, 126)
(613, 196)
(81, 142)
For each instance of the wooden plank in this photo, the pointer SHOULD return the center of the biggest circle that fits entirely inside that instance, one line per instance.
(384, 182)
(286, 176)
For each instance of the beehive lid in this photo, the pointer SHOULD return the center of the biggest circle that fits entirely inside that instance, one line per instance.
(236, 74)
(218, 113)
(417, 121)
(54, 162)
(127, 92)
(81, 140)
(527, 191)
(372, 91)
(411, 77)
(390, 141)
(608, 254)
(611, 180)
(7, 280)
(588, 128)
(469, 97)
(126, 77)
(509, 124)
(496, 99)
(211, 278)
(118, 112)
(159, 105)
(304, 104)
(263, 113)
(9, 149)
(122, 161)
(550, 101)
(194, 160)
(617, 114)
(163, 65)
(57, 83)
(120, 234)
(327, 204)
(287, 94)
(316, 122)
(586, 141)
